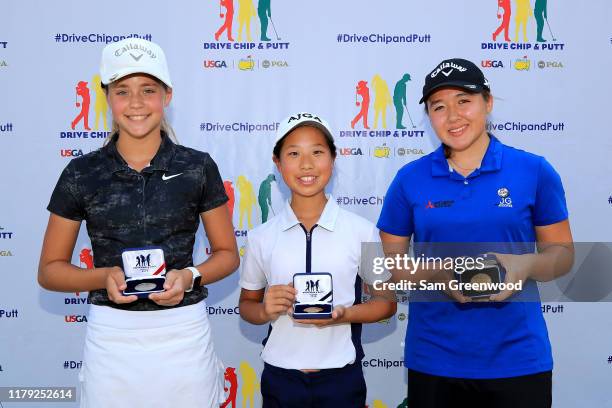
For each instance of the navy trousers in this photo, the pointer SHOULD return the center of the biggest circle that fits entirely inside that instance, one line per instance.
(331, 388)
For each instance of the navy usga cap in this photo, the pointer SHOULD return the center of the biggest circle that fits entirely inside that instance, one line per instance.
(455, 72)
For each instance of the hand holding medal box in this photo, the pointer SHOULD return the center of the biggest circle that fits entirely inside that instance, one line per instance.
(489, 277)
(145, 271)
(314, 299)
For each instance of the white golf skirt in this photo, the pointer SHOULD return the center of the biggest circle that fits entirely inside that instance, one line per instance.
(153, 359)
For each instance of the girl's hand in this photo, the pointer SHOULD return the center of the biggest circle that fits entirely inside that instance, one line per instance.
(278, 300)
(177, 282)
(338, 314)
(517, 268)
(115, 283)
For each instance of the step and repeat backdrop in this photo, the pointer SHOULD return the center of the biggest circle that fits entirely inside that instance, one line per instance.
(238, 67)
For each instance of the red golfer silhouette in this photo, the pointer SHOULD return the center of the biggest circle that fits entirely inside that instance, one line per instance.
(230, 376)
(229, 190)
(83, 91)
(505, 24)
(229, 18)
(364, 91)
(86, 258)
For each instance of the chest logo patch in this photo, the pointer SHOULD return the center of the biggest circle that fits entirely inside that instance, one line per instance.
(166, 178)
(505, 201)
(439, 204)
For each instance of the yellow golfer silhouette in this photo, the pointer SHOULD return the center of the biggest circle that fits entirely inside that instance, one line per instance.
(378, 404)
(248, 384)
(246, 12)
(100, 104)
(522, 14)
(382, 99)
(247, 200)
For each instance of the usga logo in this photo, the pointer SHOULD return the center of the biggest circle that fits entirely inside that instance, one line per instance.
(505, 200)
(549, 64)
(214, 64)
(491, 64)
(350, 151)
(522, 64)
(6, 253)
(71, 152)
(75, 319)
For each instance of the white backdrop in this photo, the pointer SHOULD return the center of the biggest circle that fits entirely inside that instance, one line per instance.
(549, 99)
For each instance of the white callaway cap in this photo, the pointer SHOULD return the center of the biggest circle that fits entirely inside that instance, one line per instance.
(302, 119)
(131, 56)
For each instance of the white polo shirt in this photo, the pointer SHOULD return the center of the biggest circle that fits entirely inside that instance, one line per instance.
(277, 250)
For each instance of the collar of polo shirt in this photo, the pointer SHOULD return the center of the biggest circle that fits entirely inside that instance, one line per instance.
(491, 161)
(160, 161)
(327, 219)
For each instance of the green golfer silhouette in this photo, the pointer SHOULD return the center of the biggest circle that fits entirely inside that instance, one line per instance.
(399, 100)
(265, 196)
(264, 11)
(540, 14)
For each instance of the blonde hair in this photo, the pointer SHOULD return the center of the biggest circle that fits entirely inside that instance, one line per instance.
(165, 125)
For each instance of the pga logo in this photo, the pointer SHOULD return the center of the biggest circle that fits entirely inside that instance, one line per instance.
(273, 64)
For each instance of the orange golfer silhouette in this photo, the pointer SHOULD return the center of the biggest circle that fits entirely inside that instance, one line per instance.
(229, 18)
(505, 24)
(83, 91)
(229, 190)
(364, 91)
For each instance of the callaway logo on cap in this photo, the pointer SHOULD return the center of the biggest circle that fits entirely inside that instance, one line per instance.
(455, 72)
(131, 56)
(302, 119)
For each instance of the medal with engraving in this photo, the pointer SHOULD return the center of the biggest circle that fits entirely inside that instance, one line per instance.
(145, 271)
(485, 280)
(314, 298)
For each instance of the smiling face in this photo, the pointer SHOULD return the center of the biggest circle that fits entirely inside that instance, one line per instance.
(459, 118)
(137, 102)
(305, 161)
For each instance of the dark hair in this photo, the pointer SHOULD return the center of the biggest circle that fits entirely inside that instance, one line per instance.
(486, 95)
(279, 145)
